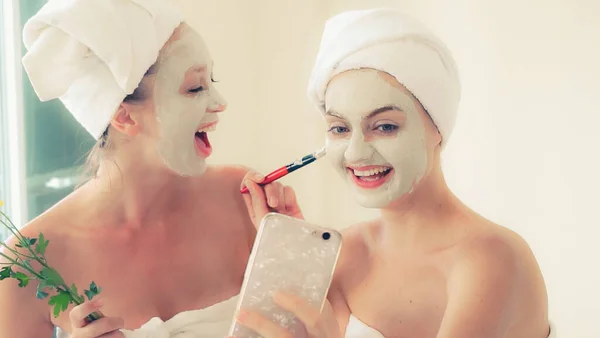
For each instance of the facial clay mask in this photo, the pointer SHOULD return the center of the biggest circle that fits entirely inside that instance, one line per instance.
(185, 101)
(376, 139)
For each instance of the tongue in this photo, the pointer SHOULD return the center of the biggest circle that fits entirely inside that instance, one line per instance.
(203, 142)
(204, 138)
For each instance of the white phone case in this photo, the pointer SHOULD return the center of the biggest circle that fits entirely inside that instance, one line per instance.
(292, 256)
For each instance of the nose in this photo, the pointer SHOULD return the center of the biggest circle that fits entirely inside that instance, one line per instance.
(216, 108)
(358, 150)
(217, 104)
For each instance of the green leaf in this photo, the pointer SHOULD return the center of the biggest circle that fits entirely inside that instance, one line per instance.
(40, 248)
(52, 277)
(94, 287)
(32, 241)
(74, 289)
(18, 245)
(93, 291)
(5, 272)
(22, 278)
(27, 263)
(26, 241)
(41, 294)
(60, 302)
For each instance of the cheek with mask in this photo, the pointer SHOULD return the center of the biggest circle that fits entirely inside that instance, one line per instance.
(182, 116)
(379, 168)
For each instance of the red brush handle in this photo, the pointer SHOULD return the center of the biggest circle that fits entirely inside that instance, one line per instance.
(275, 175)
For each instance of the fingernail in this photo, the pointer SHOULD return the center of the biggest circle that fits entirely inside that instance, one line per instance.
(260, 177)
(272, 201)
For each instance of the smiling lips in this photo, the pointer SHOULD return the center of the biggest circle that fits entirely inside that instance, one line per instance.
(370, 177)
(201, 141)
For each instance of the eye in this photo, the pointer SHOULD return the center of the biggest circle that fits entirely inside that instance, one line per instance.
(387, 128)
(338, 130)
(196, 90)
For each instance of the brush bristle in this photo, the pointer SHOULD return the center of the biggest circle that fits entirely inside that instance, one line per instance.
(320, 153)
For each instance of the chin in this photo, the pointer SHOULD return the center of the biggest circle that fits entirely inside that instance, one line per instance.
(372, 201)
(381, 199)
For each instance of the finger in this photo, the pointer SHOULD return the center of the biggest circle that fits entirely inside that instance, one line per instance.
(78, 314)
(259, 204)
(291, 204)
(248, 201)
(308, 314)
(273, 192)
(262, 325)
(290, 201)
(281, 198)
(102, 326)
(253, 177)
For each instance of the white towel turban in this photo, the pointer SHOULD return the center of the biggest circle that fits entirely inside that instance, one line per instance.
(389, 41)
(93, 53)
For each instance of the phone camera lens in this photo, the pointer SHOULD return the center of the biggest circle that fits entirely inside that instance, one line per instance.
(326, 235)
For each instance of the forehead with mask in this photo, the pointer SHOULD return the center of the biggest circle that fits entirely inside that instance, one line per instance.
(186, 103)
(376, 135)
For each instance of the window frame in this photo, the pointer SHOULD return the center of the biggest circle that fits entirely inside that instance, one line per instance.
(13, 188)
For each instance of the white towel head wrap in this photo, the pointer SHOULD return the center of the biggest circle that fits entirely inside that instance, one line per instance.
(93, 53)
(389, 41)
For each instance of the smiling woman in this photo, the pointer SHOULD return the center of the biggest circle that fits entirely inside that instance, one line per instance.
(384, 148)
(178, 87)
(184, 87)
(139, 83)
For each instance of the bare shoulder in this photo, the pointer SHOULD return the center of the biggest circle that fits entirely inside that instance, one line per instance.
(237, 171)
(494, 247)
(229, 174)
(495, 279)
(21, 313)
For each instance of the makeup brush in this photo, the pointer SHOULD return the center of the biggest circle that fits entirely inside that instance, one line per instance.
(287, 169)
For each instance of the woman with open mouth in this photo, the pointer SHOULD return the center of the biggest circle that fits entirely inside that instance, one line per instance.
(164, 235)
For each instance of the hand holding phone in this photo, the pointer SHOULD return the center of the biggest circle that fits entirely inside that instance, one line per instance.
(317, 324)
(294, 258)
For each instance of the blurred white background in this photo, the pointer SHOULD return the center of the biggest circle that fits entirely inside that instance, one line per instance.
(522, 153)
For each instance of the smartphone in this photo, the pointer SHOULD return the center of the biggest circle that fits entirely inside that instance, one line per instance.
(292, 256)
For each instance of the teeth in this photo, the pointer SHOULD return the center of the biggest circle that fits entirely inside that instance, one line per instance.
(207, 129)
(370, 172)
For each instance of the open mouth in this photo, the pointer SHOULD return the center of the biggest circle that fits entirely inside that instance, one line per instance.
(370, 177)
(201, 140)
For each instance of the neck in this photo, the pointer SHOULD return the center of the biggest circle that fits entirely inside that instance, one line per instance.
(135, 194)
(422, 215)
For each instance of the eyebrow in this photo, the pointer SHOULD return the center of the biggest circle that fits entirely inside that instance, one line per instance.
(377, 111)
(383, 109)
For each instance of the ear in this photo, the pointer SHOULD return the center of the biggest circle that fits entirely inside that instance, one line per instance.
(438, 137)
(124, 121)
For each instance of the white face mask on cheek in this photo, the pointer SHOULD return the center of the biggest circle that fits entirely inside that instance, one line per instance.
(179, 116)
(353, 96)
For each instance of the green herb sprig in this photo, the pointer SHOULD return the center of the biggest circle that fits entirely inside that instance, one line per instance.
(28, 250)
